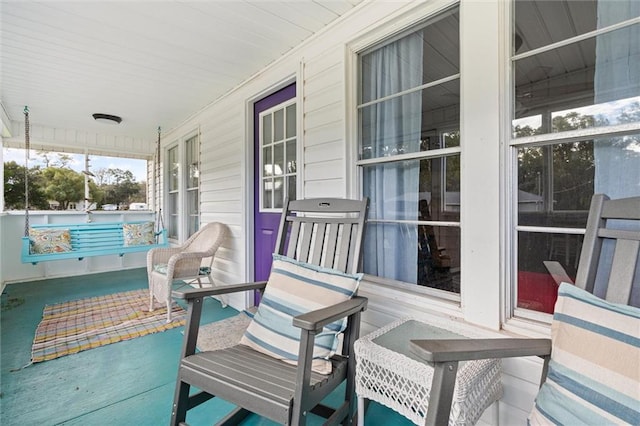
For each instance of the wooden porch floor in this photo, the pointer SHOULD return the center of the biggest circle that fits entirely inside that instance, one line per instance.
(128, 382)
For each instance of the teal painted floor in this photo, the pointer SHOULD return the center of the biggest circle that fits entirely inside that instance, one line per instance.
(130, 382)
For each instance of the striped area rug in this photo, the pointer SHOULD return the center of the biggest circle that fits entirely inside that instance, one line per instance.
(70, 327)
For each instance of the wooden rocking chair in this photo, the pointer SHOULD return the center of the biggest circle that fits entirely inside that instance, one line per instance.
(323, 232)
(590, 373)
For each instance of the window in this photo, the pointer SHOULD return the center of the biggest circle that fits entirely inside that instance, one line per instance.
(193, 185)
(278, 156)
(173, 209)
(576, 128)
(183, 188)
(409, 155)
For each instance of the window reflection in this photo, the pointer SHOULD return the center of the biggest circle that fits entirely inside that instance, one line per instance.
(579, 86)
(585, 84)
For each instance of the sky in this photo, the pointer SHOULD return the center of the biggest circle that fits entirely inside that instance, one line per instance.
(137, 167)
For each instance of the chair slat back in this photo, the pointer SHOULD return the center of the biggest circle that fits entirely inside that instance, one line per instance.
(325, 232)
(603, 225)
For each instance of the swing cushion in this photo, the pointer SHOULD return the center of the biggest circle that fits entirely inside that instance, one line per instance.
(138, 234)
(49, 240)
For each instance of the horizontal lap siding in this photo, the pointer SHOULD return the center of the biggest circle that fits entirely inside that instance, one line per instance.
(222, 138)
(324, 124)
(325, 161)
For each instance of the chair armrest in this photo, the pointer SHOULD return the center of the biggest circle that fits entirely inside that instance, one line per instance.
(185, 264)
(445, 350)
(188, 255)
(196, 293)
(557, 272)
(315, 320)
(161, 255)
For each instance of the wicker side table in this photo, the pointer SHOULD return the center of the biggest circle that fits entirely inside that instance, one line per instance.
(388, 373)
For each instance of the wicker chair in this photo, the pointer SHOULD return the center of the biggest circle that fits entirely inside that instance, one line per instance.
(165, 265)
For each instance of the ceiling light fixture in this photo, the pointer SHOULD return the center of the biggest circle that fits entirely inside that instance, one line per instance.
(107, 118)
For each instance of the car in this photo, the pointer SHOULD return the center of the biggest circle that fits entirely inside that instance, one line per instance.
(138, 206)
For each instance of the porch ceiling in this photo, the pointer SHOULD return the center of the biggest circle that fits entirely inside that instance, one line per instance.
(152, 63)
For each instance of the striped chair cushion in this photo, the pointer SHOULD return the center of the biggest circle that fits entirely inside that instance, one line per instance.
(594, 373)
(295, 288)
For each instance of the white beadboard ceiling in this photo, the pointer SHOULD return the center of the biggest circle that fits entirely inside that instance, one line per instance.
(150, 62)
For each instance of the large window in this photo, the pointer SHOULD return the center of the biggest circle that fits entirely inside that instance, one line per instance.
(409, 155)
(183, 188)
(576, 128)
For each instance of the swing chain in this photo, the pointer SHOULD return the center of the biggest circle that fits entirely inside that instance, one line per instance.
(26, 171)
(156, 180)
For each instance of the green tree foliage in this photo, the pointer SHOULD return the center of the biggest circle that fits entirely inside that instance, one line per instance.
(119, 186)
(63, 185)
(46, 157)
(14, 188)
(58, 182)
(572, 165)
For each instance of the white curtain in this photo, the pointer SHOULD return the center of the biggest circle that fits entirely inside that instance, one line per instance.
(392, 127)
(617, 78)
(617, 82)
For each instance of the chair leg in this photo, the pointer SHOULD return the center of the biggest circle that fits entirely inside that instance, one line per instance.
(223, 297)
(441, 394)
(180, 403)
(199, 282)
(150, 301)
(168, 310)
(361, 411)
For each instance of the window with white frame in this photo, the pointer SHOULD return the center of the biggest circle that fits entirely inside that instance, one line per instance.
(409, 155)
(183, 188)
(278, 171)
(576, 129)
(192, 179)
(173, 210)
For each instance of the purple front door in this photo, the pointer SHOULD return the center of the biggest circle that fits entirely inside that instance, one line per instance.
(275, 153)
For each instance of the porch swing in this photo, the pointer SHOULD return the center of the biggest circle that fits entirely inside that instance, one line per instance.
(48, 242)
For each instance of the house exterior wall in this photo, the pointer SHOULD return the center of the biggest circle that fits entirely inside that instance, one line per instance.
(324, 70)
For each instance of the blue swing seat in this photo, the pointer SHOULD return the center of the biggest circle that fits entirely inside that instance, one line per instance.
(90, 239)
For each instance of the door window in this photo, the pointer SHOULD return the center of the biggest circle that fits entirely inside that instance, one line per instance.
(278, 154)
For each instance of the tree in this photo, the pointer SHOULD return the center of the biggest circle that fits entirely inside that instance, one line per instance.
(119, 186)
(572, 166)
(14, 188)
(572, 121)
(62, 159)
(63, 185)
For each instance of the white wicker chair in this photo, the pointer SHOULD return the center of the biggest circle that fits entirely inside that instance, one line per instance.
(165, 265)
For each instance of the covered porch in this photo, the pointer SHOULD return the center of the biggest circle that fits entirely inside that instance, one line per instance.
(132, 381)
(502, 117)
